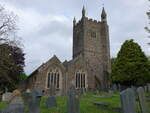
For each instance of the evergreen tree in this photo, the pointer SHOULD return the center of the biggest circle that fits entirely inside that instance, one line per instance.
(131, 67)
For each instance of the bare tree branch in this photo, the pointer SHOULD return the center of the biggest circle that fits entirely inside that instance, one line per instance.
(7, 23)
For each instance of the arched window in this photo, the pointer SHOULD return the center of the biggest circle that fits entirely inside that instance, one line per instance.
(53, 79)
(80, 80)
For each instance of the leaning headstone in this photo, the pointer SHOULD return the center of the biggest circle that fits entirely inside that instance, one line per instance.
(73, 105)
(32, 100)
(7, 97)
(128, 101)
(14, 108)
(142, 100)
(51, 102)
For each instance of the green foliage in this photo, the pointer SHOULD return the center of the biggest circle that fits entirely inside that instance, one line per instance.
(22, 76)
(131, 67)
(11, 65)
(3, 105)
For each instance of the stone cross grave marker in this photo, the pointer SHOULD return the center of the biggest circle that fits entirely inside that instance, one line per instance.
(128, 101)
(73, 105)
(51, 102)
(142, 100)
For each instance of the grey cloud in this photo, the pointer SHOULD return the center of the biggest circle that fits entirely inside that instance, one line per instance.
(126, 19)
(56, 27)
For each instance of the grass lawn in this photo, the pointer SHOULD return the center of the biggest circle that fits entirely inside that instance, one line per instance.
(86, 104)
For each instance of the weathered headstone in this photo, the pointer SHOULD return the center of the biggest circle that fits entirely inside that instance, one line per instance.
(32, 100)
(142, 100)
(114, 87)
(7, 96)
(17, 99)
(119, 87)
(73, 105)
(134, 90)
(145, 88)
(51, 102)
(14, 108)
(128, 101)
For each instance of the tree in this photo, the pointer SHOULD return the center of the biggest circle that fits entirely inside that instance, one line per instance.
(131, 67)
(11, 53)
(7, 24)
(11, 65)
(147, 28)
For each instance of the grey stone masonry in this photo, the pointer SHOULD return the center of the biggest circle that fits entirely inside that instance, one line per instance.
(142, 100)
(128, 101)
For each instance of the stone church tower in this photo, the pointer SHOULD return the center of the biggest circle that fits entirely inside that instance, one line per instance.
(90, 67)
(91, 40)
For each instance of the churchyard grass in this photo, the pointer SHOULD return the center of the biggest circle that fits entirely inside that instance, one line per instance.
(3, 105)
(86, 104)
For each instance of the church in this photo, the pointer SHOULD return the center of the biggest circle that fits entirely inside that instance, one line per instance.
(90, 66)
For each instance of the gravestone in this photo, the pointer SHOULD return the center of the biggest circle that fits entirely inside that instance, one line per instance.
(128, 101)
(134, 90)
(14, 108)
(17, 99)
(145, 88)
(142, 100)
(119, 87)
(32, 100)
(73, 105)
(114, 87)
(51, 102)
(7, 96)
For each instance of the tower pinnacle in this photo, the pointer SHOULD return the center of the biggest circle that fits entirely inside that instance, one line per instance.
(83, 12)
(74, 21)
(103, 15)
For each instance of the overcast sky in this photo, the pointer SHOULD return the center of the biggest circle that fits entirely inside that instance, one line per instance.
(46, 25)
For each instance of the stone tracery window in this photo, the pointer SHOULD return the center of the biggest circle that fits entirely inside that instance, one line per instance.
(53, 79)
(80, 80)
(93, 34)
